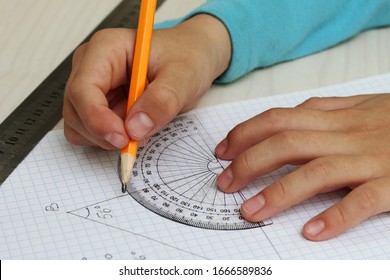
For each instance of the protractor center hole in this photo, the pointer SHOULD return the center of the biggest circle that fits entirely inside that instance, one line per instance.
(217, 166)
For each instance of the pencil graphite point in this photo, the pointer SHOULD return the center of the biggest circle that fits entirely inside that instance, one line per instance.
(127, 164)
(124, 187)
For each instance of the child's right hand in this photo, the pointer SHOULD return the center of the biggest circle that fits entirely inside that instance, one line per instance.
(184, 61)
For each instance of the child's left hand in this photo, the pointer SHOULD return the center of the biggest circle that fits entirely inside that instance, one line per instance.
(340, 141)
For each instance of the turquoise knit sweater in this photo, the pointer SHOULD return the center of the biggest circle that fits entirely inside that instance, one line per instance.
(265, 32)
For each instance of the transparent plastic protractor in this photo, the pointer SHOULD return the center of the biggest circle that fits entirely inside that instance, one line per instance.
(175, 177)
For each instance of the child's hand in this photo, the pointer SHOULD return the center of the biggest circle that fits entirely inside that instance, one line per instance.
(184, 61)
(339, 142)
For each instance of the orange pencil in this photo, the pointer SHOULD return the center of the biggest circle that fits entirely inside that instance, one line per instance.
(138, 80)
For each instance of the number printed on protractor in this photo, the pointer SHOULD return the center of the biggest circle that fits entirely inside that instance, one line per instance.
(175, 177)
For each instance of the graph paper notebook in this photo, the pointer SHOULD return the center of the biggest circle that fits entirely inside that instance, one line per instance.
(65, 202)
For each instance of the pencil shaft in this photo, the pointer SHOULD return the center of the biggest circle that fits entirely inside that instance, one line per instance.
(138, 78)
(142, 51)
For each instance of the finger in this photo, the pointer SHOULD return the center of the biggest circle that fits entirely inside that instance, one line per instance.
(76, 138)
(173, 88)
(279, 150)
(320, 175)
(333, 103)
(103, 67)
(76, 133)
(366, 200)
(98, 123)
(275, 121)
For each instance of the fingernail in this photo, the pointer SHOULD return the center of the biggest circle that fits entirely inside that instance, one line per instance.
(140, 125)
(221, 148)
(225, 179)
(315, 228)
(115, 139)
(254, 205)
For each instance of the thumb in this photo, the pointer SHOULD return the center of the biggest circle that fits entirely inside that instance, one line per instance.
(174, 88)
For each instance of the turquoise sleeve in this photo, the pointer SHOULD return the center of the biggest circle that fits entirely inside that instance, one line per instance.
(266, 32)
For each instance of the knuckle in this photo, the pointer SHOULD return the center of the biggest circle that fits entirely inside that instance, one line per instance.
(367, 199)
(288, 139)
(78, 53)
(106, 37)
(100, 35)
(169, 101)
(236, 133)
(276, 116)
(279, 191)
(318, 169)
(247, 163)
(338, 215)
(312, 102)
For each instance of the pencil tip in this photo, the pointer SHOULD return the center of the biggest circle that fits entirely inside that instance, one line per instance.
(124, 187)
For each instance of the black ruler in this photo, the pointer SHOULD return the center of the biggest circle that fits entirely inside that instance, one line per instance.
(42, 109)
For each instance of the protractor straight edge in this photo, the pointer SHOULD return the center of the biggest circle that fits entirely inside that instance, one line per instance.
(41, 110)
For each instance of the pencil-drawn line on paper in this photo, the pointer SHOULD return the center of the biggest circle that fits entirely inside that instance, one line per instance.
(103, 214)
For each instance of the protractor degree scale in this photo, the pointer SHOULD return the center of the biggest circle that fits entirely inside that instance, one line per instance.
(175, 177)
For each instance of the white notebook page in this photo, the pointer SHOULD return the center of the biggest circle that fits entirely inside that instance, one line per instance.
(65, 202)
